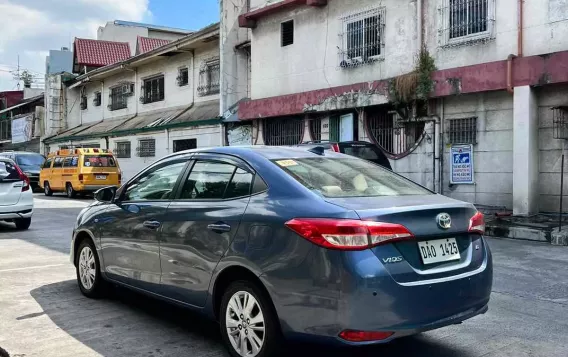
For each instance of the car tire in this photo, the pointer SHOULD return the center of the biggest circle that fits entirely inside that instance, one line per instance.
(88, 270)
(71, 193)
(258, 328)
(23, 223)
(47, 189)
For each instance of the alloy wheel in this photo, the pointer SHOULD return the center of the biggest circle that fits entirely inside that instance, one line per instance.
(87, 268)
(245, 324)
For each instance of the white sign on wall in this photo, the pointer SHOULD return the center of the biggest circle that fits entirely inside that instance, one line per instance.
(461, 158)
(240, 135)
(22, 129)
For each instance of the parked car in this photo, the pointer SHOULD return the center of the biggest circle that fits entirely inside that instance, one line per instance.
(76, 171)
(29, 162)
(16, 197)
(361, 149)
(285, 242)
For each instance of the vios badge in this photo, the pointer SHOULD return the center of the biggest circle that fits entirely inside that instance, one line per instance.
(444, 220)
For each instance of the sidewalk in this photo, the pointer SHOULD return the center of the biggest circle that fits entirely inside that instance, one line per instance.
(541, 227)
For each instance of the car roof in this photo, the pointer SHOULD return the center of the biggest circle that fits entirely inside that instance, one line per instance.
(268, 152)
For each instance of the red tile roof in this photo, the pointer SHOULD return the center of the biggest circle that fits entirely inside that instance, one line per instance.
(96, 53)
(147, 44)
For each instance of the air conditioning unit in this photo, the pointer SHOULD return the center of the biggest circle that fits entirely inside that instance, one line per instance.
(128, 89)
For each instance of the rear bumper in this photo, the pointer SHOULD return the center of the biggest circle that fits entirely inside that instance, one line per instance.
(20, 212)
(359, 294)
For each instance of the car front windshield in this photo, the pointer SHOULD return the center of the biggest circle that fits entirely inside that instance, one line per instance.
(333, 177)
(30, 160)
(99, 161)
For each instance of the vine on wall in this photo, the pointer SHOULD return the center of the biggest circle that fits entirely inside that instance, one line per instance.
(409, 93)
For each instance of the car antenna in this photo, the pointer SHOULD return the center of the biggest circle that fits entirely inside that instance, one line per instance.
(318, 150)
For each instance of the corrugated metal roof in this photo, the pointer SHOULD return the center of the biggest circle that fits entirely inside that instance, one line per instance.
(199, 111)
(91, 128)
(147, 44)
(97, 53)
(153, 118)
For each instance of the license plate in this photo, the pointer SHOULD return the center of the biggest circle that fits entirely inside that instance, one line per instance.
(439, 250)
(101, 177)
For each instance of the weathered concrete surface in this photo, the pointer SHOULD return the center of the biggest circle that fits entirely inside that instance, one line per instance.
(540, 228)
(42, 313)
(559, 237)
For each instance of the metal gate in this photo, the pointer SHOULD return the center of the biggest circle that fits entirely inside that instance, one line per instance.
(334, 130)
(315, 129)
(283, 131)
(396, 137)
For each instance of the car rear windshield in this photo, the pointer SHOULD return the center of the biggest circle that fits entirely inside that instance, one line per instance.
(30, 160)
(333, 177)
(99, 161)
(8, 171)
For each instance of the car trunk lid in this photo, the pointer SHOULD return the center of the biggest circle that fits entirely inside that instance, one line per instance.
(435, 251)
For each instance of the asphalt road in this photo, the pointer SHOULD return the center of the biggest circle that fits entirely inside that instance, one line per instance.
(43, 314)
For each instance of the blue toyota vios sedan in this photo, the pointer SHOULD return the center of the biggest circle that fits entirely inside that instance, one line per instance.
(281, 243)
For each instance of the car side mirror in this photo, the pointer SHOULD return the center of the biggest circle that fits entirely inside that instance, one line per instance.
(106, 195)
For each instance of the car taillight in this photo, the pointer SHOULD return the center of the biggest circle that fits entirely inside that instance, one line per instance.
(24, 178)
(364, 336)
(348, 234)
(335, 147)
(477, 223)
(80, 177)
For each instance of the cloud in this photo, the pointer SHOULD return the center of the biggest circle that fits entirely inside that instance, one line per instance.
(30, 28)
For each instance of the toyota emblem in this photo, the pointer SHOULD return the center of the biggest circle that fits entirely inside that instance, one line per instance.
(444, 220)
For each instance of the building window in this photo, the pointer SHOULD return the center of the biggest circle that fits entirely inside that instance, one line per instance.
(122, 149)
(397, 137)
(186, 144)
(153, 90)
(284, 131)
(146, 148)
(466, 21)
(5, 129)
(183, 77)
(83, 101)
(209, 76)
(315, 129)
(119, 96)
(462, 131)
(287, 33)
(97, 99)
(362, 37)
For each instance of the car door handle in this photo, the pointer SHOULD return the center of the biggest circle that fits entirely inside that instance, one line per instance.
(152, 224)
(219, 227)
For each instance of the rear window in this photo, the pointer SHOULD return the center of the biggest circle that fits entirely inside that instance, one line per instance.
(8, 171)
(99, 161)
(333, 177)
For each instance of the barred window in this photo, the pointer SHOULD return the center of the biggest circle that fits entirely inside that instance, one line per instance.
(462, 131)
(287, 33)
(146, 148)
(209, 76)
(283, 131)
(183, 77)
(465, 21)
(97, 99)
(122, 149)
(315, 129)
(83, 101)
(119, 96)
(153, 90)
(362, 37)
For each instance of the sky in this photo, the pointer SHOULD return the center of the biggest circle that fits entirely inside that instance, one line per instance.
(30, 28)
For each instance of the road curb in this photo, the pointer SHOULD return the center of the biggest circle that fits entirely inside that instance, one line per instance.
(531, 232)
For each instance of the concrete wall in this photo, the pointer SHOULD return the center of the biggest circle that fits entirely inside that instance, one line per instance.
(493, 153)
(312, 61)
(550, 150)
(120, 33)
(59, 61)
(234, 63)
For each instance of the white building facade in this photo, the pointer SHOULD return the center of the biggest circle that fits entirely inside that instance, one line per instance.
(144, 108)
(325, 70)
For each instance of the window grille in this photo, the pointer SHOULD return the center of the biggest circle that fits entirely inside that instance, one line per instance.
(209, 76)
(395, 136)
(183, 77)
(560, 122)
(284, 131)
(119, 96)
(462, 131)
(5, 129)
(146, 148)
(97, 99)
(83, 101)
(466, 21)
(122, 149)
(362, 37)
(315, 129)
(287, 33)
(153, 90)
